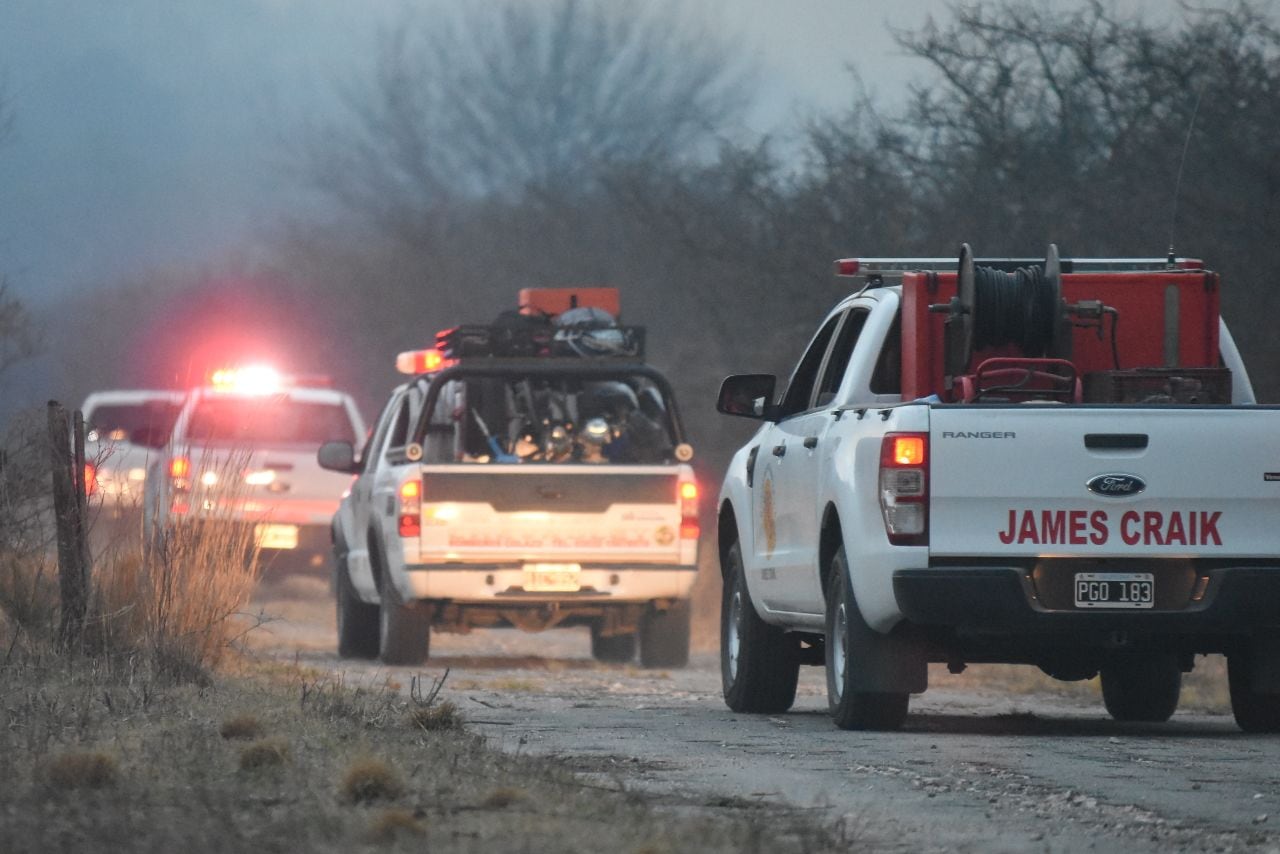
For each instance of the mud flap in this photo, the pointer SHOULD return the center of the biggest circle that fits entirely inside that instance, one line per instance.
(892, 663)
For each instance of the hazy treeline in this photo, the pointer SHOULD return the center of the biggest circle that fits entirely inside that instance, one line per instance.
(583, 143)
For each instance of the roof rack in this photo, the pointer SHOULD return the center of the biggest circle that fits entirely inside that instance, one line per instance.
(895, 267)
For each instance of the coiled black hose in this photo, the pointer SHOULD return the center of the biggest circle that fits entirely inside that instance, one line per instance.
(1014, 308)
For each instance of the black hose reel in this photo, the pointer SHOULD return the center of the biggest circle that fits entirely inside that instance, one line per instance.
(994, 308)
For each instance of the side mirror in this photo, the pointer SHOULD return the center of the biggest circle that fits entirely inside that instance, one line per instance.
(337, 456)
(748, 396)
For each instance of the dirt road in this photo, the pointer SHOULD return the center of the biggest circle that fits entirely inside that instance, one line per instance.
(976, 768)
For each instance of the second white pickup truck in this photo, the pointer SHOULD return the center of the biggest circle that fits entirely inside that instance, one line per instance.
(1055, 464)
(531, 493)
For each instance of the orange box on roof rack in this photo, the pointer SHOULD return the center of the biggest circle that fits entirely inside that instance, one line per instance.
(553, 301)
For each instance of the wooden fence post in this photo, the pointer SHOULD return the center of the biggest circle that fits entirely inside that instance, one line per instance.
(67, 470)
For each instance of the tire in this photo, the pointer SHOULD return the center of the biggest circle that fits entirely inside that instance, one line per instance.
(358, 624)
(1254, 711)
(852, 709)
(664, 636)
(1143, 689)
(404, 629)
(613, 649)
(759, 663)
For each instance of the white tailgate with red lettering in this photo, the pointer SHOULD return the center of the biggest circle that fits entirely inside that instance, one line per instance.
(1054, 480)
(501, 513)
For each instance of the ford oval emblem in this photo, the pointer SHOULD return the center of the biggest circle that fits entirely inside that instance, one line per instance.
(1116, 485)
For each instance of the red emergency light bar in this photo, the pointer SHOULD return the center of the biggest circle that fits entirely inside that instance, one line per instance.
(251, 379)
(263, 379)
(414, 362)
(846, 267)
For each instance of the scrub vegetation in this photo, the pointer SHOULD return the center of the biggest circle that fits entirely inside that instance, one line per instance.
(1030, 123)
(160, 732)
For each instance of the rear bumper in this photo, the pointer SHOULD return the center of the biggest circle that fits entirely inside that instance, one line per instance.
(985, 600)
(505, 583)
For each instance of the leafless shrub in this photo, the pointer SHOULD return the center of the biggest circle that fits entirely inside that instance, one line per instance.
(332, 698)
(28, 578)
(240, 726)
(437, 717)
(370, 779)
(82, 769)
(173, 601)
(264, 753)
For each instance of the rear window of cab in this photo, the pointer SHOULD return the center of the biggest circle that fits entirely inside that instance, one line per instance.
(269, 421)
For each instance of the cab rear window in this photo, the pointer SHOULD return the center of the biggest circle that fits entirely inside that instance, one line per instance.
(122, 420)
(269, 421)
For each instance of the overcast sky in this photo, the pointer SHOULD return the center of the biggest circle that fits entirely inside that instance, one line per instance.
(147, 131)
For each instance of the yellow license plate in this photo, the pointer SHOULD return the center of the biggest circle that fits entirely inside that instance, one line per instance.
(276, 536)
(552, 577)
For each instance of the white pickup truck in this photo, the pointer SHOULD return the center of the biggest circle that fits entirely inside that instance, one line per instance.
(936, 484)
(124, 427)
(243, 451)
(535, 493)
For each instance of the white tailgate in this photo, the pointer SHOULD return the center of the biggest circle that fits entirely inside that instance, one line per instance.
(284, 485)
(1013, 481)
(524, 512)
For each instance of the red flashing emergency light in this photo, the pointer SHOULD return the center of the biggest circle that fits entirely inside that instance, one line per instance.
(848, 267)
(251, 379)
(414, 362)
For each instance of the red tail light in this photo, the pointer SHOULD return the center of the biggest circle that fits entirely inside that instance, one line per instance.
(904, 488)
(689, 527)
(90, 479)
(179, 473)
(410, 517)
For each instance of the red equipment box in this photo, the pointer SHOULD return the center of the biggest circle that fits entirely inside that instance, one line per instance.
(553, 301)
(1168, 319)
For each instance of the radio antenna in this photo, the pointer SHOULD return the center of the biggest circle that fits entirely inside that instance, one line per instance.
(1182, 163)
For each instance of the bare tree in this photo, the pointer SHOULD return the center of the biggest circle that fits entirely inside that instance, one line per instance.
(19, 338)
(504, 99)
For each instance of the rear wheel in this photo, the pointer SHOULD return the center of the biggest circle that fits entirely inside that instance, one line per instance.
(404, 628)
(1254, 711)
(358, 624)
(1142, 689)
(759, 663)
(664, 636)
(850, 708)
(613, 649)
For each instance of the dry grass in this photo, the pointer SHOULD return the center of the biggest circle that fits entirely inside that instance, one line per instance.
(173, 603)
(264, 753)
(436, 717)
(180, 787)
(157, 690)
(390, 825)
(241, 727)
(503, 797)
(370, 779)
(82, 769)
(516, 685)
